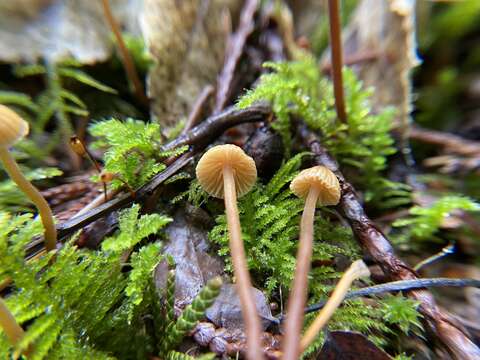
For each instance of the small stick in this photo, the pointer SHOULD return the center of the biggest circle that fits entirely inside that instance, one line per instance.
(402, 285)
(357, 270)
(234, 51)
(337, 61)
(447, 250)
(125, 55)
(452, 143)
(356, 58)
(197, 108)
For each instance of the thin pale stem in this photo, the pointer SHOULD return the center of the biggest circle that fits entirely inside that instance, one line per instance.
(9, 325)
(337, 58)
(240, 268)
(34, 195)
(126, 58)
(298, 294)
(357, 270)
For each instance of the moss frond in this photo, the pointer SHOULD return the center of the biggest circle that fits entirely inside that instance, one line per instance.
(80, 305)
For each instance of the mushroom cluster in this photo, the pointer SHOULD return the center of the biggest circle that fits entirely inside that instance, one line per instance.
(225, 171)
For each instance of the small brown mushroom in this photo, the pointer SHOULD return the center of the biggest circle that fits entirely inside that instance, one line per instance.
(319, 187)
(12, 129)
(225, 171)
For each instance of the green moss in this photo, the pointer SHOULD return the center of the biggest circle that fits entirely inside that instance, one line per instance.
(80, 304)
(363, 143)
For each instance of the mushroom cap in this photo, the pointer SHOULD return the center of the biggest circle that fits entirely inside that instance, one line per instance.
(12, 127)
(321, 177)
(210, 169)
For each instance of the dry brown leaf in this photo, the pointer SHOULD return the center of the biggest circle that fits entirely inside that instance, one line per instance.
(187, 40)
(55, 29)
(187, 244)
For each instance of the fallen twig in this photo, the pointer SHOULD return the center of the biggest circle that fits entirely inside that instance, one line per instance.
(454, 339)
(76, 223)
(399, 286)
(450, 142)
(353, 59)
(210, 129)
(197, 108)
(447, 250)
(233, 53)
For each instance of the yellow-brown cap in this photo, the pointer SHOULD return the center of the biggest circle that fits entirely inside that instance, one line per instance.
(210, 169)
(12, 127)
(321, 177)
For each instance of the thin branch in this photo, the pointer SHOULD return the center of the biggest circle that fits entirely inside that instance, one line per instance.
(399, 286)
(353, 59)
(447, 250)
(211, 128)
(233, 54)
(125, 55)
(197, 108)
(377, 246)
(122, 200)
(337, 58)
(450, 142)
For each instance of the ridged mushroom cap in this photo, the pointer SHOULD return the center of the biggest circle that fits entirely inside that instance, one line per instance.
(210, 169)
(12, 127)
(321, 177)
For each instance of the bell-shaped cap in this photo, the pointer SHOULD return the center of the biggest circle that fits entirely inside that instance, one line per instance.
(12, 127)
(322, 178)
(210, 169)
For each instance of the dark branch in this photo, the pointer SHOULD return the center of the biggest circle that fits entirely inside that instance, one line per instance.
(198, 108)
(120, 201)
(401, 286)
(233, 54)
(214, 126)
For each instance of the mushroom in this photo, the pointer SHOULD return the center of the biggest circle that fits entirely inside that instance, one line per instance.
(318, 186)
(225, 171)
(357, 270)
(12, 129)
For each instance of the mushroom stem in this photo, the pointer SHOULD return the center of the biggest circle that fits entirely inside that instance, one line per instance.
(34, 195)
(9, 325)
(357, 270)
(337, 58)
(127, 60)
(240, 268)
(298, 294)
